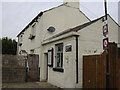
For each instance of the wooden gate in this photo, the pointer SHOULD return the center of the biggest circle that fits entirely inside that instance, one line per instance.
(119, 73)
(114, 66)
(33, 68)
(94, 71)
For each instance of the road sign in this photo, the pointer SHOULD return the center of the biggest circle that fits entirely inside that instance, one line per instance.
(105, 43)
(105, 35)
(105, 30)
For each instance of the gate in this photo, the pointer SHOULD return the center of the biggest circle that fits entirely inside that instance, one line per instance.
(94, 71)
(114, 66)
(33, 68)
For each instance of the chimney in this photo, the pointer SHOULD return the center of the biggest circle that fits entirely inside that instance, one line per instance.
(72, 3)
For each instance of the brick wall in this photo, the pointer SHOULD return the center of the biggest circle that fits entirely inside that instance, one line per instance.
(11, 70)
(13, 74)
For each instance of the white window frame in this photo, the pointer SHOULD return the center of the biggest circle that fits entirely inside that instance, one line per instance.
(33, 29)
(50, 57)
(59, 63)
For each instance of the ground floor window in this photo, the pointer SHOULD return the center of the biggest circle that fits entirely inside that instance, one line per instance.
(59, 57)
(59, 60)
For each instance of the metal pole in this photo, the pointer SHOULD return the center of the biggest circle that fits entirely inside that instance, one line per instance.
(107, 59)
(105, 9)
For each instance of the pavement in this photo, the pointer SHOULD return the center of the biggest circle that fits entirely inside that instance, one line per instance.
(29, 85)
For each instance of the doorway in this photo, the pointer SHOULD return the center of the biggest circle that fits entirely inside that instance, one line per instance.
(33, 70)
(46, 65)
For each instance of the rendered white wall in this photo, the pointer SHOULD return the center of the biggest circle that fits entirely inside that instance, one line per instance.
(66, 79)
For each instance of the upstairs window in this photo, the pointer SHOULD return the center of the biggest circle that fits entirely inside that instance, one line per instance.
(32, 51)
(33, 30)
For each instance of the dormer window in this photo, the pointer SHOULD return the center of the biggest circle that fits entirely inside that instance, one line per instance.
(33, 30)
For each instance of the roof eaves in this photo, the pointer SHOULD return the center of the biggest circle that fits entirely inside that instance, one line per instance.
(86, 24)
(34, 20)
(113, 20)
(59, 34)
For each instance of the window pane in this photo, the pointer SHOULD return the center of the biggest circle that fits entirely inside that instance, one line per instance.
(60, 48)
(59, 55)
(61, 59)
(33, 30)
(58, 59)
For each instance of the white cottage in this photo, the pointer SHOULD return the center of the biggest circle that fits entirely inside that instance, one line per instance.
(61, 36)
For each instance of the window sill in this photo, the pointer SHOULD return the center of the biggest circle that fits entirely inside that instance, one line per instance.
(58, 69)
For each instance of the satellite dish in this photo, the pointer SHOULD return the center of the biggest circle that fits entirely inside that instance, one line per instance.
(51, 29)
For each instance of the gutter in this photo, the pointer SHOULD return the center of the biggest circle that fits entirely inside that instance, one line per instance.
(76, 59)
(60, 38)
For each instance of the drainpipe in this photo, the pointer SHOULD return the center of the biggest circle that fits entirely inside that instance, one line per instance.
(76, 59)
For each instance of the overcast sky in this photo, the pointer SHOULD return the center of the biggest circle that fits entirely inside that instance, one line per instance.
(16, 15)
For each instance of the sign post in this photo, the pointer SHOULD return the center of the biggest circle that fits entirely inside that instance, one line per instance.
(105, 46)
(105, 35)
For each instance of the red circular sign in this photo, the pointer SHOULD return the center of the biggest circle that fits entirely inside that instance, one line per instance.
(105, 29)
(105, 43)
